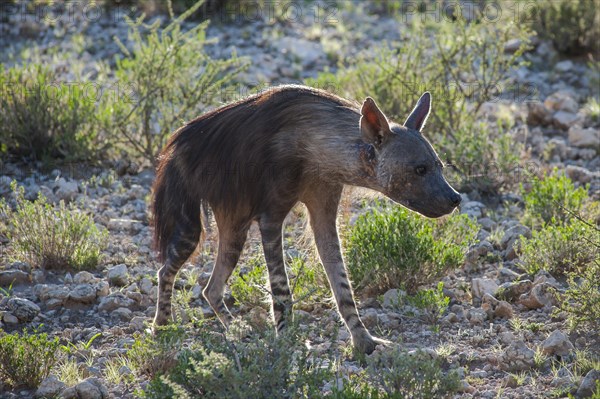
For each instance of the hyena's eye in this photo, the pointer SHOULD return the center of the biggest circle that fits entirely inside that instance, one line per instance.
(421, 170)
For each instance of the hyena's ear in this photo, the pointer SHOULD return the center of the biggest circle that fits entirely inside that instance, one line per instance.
(373, 123)
(419, 114)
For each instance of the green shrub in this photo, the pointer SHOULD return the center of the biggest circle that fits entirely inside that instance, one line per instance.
(26, 359)
(552, 199)
(394, 247)
(170, 79)
(572, 25)
(43, 118)
(463, 65)
(52, 237)
(561, 248)
(156, 355)
(249, 286)
(431, 302)
(396, 374)
(308, 281)
(582, 300)
(259, 366)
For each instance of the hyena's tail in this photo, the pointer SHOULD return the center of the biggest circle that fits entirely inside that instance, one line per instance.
(176, 214)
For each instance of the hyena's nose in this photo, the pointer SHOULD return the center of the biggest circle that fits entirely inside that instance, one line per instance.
(455, 199)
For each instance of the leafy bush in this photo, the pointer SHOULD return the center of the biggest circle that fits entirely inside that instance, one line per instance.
(396, 374)
(308, 281)
(170, 79)
(259, 366)
(248, 287)
(552, 199)
(559, 249)
(582, 300)
(463, 65)
(432, 302)
(43, 118)
(572, 25)
(153, 356)
(52, 237)
(26, 359)
(394, 247)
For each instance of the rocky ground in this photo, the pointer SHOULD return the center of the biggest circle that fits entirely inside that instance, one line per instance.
(489, 339)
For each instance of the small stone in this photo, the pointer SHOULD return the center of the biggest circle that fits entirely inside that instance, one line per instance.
(512, 291)
(114, 301)
(50, 387)
(579, 174)
(83, 293)
(565, 119)
(117, 275)
(561, 101)
(482, 286)
(84, 278)
(65, 190)
(145, 285)
(393, 298)
(584, 138)
(24, 309)
(564, 66)
(477, 316)
(369, 318)
(588, 384)
(514, 233)
(506, 337)
(90, 388)
(8, 277)
(517, 357)
(10, 318)
(539, 296)
(503, 310)
(122, 314)
(138, 323)
(557, 344)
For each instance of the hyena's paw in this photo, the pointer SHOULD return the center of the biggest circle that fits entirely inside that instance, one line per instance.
(366, 343)
(159, 321)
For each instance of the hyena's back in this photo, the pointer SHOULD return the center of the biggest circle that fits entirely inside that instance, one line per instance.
(246, 158)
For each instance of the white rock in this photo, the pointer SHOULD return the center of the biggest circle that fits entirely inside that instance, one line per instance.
(564, 66)
(84, 278)
(517, 357)
(83, 293)
(584, 138)
(561, 101)
(117, 275)
(65, 190)
(393, 298)
(565, 119)
(482, 286)
(557, 344)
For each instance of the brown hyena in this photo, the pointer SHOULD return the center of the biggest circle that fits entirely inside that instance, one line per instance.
(254, 159)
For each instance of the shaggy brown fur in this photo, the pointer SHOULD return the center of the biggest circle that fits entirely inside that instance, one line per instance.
(253, 160)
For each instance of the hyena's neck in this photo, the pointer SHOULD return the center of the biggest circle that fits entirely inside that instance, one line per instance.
(345, 158)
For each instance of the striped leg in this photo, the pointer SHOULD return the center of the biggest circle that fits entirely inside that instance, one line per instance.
(182, 245)
(231, 243)
(270, 231)
(322, 206)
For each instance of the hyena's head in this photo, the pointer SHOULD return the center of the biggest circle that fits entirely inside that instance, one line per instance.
(402, 162)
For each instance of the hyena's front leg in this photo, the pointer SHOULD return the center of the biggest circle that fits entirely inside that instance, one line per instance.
(271, 233)
(231, 242)
(182, 245)
(322, 205)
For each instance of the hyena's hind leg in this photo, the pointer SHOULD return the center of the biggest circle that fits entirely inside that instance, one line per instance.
(182, 244)
(232, 237)
(271, 233)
